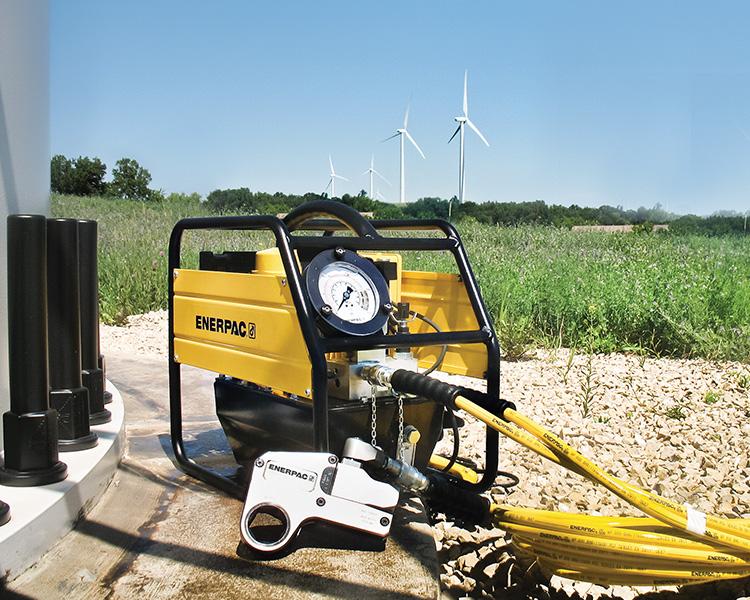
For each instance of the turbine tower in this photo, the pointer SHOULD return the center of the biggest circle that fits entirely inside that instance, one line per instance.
(333, 178)
(372, 172)
(462, 121)
(401, 132)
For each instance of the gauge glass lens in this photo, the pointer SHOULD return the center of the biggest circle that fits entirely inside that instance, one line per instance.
(349, 292)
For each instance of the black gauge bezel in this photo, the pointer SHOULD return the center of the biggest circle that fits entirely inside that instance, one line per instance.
(332, 323)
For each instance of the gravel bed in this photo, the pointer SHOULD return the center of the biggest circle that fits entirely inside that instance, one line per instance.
(678, 427)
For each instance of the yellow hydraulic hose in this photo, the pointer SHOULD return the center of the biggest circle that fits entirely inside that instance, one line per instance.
(440, 462)
(674, 545)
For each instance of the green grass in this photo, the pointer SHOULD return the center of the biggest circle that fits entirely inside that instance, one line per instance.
(651, 294)
(656, 294)
(133, 242)
(712, 397)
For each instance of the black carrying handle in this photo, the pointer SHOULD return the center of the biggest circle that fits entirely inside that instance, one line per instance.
(336, 210)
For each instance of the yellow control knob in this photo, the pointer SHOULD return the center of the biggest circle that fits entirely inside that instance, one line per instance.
(413, 436)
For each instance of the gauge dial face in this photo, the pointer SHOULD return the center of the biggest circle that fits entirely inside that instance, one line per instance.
(349, 292)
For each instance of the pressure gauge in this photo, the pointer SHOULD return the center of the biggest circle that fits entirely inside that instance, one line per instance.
(349, 293)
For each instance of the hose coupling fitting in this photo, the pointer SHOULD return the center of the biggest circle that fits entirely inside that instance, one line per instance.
(377, 374)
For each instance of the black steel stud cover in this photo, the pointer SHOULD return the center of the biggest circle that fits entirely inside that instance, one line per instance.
(30, 427)
(91, 373)
(103, 367)
(4, 513)
(68, 395)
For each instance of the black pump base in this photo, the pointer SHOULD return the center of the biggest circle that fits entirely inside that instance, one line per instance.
(72, 406)
(107, 397)
(13, 478)
(4, 513)
(80, 443)
(93, 380)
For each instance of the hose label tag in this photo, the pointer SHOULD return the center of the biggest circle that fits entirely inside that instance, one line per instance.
(243, 329)
(696, 520)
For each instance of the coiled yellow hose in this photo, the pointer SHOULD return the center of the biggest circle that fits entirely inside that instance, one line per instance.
(674, 545)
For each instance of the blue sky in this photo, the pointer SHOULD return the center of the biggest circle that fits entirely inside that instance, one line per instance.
(591, 103)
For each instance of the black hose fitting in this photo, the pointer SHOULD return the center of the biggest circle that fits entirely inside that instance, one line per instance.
(410, 382)
(457, 503)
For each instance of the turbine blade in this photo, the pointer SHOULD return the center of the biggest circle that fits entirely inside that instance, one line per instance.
(406, 117)
(330, 162)
(330, 181)
(454, 134)
(390, 137)
(339, 177)
(372, 161)
(381, 177)
(411, 139)
(479, 133)
(466, 93)
(366, 172)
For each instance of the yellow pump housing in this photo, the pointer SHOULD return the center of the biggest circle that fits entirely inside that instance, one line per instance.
(245, 325)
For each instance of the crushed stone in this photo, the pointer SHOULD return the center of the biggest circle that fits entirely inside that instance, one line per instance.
(680, 427)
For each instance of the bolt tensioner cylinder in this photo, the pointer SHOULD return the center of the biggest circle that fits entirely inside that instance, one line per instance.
(30, 427)
(92, 374)
(68, 396)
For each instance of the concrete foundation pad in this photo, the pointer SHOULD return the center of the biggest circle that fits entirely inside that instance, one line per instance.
(158, 533)
(41, 515)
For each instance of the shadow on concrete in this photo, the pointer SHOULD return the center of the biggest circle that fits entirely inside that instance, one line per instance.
(7, 594)
(136, 545)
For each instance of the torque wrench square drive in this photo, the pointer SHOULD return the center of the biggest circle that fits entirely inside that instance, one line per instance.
(295, 487)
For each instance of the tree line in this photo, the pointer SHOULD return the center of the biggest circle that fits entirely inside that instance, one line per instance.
(495, 213)
(84, 176)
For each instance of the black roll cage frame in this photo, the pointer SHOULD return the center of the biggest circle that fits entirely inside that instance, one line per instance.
(318, 345)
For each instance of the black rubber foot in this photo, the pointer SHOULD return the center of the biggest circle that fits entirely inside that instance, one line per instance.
(11, 477)
(107, 397)
(81, 443)
(4, 513)
(103, 416)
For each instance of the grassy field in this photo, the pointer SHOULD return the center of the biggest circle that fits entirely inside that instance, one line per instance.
(655, 294)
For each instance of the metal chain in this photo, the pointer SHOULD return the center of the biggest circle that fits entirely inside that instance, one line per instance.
(373, 418)
(400, 445)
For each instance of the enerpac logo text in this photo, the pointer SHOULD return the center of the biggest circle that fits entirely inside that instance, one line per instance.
(244, 329)
(305, 475)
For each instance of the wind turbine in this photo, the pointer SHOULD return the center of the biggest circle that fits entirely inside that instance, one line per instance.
(401, 132)
(462, 121)
(372, 172)
(332, 180)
